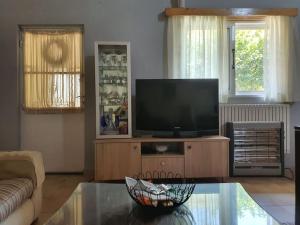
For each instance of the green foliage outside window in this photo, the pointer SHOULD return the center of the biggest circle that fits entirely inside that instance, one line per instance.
(249, 50)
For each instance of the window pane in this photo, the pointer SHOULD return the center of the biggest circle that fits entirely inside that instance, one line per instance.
(45, 91)
(52, 67)
(249, 50)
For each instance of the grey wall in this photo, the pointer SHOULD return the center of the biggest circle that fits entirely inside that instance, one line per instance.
(137, 21)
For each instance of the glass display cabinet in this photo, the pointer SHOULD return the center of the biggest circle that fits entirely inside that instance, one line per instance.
(113, 90)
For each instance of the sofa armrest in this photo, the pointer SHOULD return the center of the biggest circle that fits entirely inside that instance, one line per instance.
(22, 164)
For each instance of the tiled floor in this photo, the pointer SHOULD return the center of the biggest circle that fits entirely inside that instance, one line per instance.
(265, 184)
(57, 189)
(280, 206)
(275, 195)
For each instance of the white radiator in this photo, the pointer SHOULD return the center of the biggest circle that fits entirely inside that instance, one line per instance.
(257, 112)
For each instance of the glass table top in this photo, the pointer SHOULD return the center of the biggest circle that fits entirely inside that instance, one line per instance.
(210, 204)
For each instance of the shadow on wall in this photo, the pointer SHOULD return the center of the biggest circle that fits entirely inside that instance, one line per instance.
(90, 115)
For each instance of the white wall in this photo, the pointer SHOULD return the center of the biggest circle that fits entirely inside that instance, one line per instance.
(60, 138)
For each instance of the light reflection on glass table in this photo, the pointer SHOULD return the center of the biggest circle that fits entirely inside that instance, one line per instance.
(210, 204)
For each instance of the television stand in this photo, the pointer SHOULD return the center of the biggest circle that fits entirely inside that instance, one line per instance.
(200, 157)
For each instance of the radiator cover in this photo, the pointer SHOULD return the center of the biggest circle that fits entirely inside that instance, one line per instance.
(258, 113)
(256, 148)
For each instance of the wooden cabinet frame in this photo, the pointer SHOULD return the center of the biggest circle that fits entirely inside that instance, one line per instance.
(203, 157)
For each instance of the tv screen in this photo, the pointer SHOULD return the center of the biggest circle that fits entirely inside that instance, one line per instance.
(185, 105)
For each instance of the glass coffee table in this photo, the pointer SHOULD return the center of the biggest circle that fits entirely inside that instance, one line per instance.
(210, 204)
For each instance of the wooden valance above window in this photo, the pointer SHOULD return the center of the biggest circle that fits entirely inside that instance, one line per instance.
(232, 12)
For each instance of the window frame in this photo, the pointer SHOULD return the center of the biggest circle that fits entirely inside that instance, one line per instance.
(48, 27)
(233, 95)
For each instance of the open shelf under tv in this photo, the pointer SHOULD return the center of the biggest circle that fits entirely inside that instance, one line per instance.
(171, 148)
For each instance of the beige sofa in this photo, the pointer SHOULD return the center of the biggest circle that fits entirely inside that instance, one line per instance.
(21, 179)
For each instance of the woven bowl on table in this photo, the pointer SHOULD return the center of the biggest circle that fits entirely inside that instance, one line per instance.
(171, 196)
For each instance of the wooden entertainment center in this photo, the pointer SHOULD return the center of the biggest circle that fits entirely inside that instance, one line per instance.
(202, 157)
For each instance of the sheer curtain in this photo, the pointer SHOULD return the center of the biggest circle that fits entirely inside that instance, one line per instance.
(52, 67)
(197, 48)
(279, 59)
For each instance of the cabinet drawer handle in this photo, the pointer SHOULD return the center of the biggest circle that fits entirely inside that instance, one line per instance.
(162, 163)
(189, 147)
(135, 147)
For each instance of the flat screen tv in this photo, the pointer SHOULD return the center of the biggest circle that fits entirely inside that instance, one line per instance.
(177, 107)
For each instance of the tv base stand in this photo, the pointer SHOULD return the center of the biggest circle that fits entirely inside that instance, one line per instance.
(201, 157)
(176, 135)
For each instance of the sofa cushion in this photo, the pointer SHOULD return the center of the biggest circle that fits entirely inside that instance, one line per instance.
(13, 193)
(26, 164)
(16, 168)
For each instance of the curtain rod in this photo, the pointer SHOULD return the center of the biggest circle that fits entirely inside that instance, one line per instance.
(52, 27)
(241, 12)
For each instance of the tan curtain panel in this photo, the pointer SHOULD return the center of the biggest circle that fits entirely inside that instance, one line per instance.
(52, 70)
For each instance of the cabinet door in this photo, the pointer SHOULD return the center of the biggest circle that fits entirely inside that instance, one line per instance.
(114, 161)
(206, 159)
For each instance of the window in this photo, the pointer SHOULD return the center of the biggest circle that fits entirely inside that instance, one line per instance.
(258, 60)
(247, 41)
(52, 68)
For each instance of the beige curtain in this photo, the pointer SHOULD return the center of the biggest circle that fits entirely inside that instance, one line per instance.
(52, 69)
(279, 59)
(197, 48)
